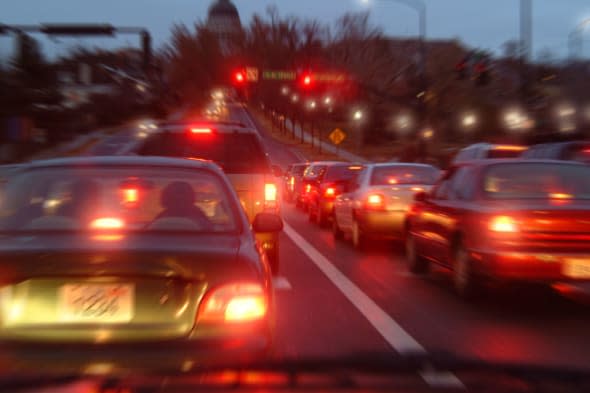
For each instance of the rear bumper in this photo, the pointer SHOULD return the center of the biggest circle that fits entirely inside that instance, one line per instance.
(389, 224)
(533, 267)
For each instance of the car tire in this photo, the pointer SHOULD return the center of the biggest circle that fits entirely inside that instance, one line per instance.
(465, 281)
(417, 264)
(336, 231)
(321, 219)
(273, 259)
(359, 240)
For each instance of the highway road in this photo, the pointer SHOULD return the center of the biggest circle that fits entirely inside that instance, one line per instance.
(333, 300)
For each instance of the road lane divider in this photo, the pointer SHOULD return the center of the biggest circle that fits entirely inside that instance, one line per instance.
(387, 327)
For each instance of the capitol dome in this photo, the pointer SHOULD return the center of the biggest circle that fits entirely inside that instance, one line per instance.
(223, 18)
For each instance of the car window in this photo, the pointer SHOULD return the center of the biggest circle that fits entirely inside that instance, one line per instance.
(131, 198)
(537, 181)
(404, 174)
(234, 152)
(341, 172)
(463, 184)
(315, 171)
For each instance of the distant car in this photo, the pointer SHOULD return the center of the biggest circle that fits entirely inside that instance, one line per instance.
(313, 173)
(568, 151)
(240, 153)
(151, 253)
(293, 181)
(376, 203)
(482, 151)
(322, 190)
(506, 220)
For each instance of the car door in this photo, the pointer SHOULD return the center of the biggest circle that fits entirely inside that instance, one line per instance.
(348, 200)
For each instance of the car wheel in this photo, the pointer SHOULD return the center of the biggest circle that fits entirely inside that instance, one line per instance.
(273, 259)
(358, 237)
(417, 264)
(336, 231)
(465, 280)
(321, 218)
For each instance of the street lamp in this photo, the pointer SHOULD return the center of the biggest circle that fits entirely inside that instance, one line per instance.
(403, 124)
(285, 90)
(517, 120)
(358, 115)
(295, 98)
(468, 121)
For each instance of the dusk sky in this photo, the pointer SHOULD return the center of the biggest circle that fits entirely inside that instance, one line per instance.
(485, 24)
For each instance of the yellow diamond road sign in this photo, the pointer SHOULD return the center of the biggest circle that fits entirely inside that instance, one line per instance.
(337, 136)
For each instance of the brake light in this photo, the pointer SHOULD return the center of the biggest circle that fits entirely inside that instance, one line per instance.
(392, 180)
(240, 302)
(503, 224)
(308, 188)
(375, 201)
(270, 195)
(330, 192)
(560, 195)
(130, 195)
(107, 223)
(200, 130)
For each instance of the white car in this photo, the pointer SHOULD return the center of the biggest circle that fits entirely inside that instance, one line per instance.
(375, 203)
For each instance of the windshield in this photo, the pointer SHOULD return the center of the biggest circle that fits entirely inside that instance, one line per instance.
(403, 174)
(235, 153)
(537, 181)
(130, 199)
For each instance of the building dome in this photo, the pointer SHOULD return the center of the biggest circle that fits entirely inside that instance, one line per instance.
(223, 8)
(223, 17)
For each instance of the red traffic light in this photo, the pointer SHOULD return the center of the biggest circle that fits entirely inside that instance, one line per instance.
(307, 80)
(239, 77)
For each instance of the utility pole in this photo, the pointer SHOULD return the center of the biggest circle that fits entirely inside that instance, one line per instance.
(526, 42)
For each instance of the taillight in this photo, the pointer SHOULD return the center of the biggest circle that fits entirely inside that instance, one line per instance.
(270, 195)
(503, 224)
(308, 188)
(417, 189)
(375, 202)
(330, 192)
(201, 130)
(130, 196)
(234, 303)
(107, 223)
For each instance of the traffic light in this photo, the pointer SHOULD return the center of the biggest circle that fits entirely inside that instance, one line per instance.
(239, 77)
(482, 73)
(146, 46)
(307, 80)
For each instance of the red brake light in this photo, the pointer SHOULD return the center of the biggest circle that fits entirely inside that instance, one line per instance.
(239, 302)
(330, 192)
(107, 223)
(392, 180)
(130, 196)
(308, 188)
(417, 189)
(503, 224)
(375, 201)
(201, 130)
(270, 195)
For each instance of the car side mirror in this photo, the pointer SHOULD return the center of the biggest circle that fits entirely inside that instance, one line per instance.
(277, 171)
(267, 222)
(421, 196)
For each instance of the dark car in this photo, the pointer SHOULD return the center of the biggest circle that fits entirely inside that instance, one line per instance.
(505, 220)
(293, 181)
(238, 150)
(568, 151)
(323, 189)
(132, 253)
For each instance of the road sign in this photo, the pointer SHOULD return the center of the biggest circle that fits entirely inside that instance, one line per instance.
(279, 75)
(252, 74)
(337, 136)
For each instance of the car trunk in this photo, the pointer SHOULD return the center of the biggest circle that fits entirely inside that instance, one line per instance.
(250, 190)
(398, 197)
(76, 289)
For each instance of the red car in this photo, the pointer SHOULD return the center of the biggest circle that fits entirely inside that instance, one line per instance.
(507, 220)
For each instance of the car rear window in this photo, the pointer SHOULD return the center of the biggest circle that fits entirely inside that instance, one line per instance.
(404, 174)
(298, 170)
(341, 172)
(314, 171)
(125, 199)
(537, 181)
(234, 152)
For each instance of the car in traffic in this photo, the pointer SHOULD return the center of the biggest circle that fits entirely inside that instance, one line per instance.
(375, 204)
(482, 151)
(324, 189)
(510, 220)
(133, 252)
(238, 150)
(313, 174)
(568, 151)
(293, 181)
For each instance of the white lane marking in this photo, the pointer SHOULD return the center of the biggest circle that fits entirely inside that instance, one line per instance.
(389, 329)
(281, 283)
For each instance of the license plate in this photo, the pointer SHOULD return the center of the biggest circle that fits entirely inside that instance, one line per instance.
(577, 267)
(96, 303)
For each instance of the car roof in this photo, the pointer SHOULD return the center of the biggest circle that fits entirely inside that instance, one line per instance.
(329, 163)
(494, 161)
(115, 161)
(397, 163)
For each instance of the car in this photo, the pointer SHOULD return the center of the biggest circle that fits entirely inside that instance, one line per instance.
(324, 188)
(313, 173)
(375, 204)
(133, 254)
(293, 181)
(509, 220)
(238, 150)
(482, 151)
(569, 151)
